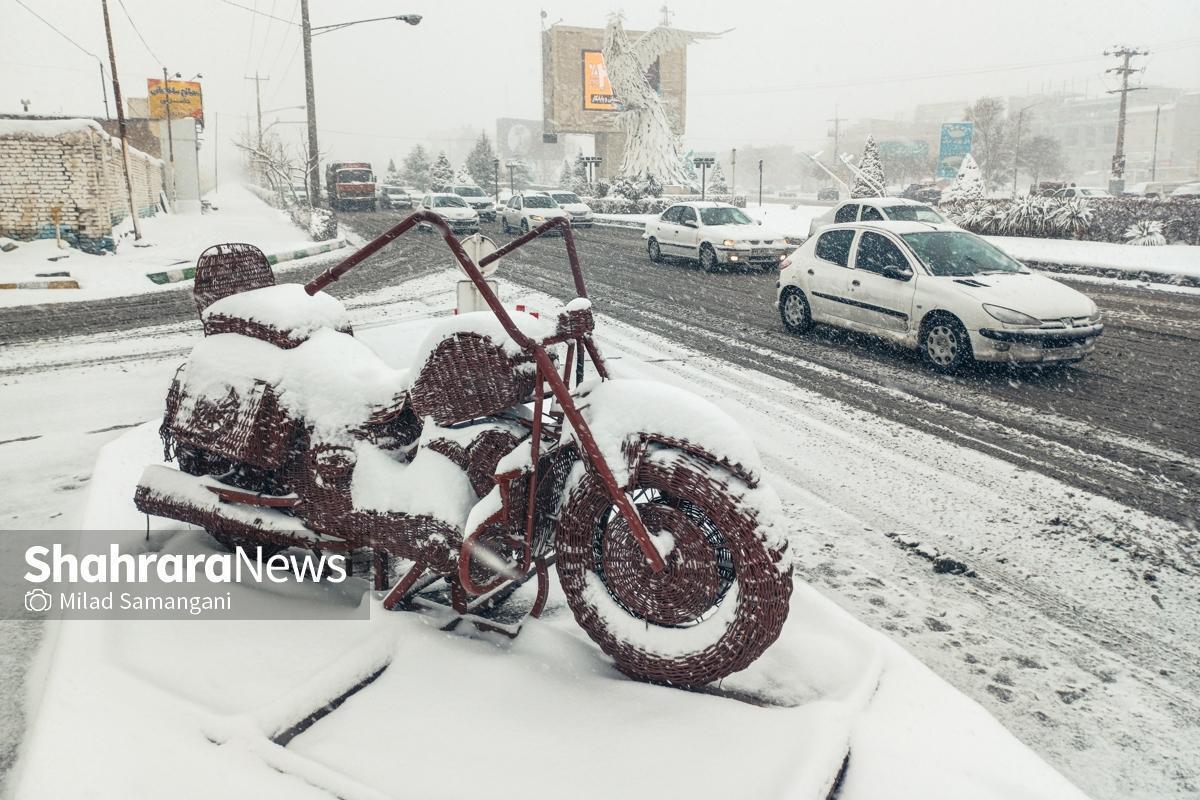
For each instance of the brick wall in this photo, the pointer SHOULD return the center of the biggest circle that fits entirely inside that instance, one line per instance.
(74, 169)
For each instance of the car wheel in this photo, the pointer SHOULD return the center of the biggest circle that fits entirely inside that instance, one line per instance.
(524, 227)
(794, 311)
(504, 224)
(654, 250)
(944, 343)
(708, 258)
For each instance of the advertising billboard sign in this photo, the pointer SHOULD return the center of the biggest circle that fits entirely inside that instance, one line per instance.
(597, 90)
(956, 143)
(186, 99)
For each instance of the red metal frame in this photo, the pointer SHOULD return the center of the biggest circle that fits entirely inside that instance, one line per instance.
(545, 366)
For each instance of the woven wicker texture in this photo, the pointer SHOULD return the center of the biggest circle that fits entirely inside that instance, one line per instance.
(249, 427)
(226, 269)
(469, 376)
(716, 542)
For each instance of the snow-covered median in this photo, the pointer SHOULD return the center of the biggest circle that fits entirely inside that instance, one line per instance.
(170, 242)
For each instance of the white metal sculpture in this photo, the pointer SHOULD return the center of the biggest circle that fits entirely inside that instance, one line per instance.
(651, 148)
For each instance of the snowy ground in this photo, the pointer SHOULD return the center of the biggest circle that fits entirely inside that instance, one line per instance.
(858, 490)
(170, 241)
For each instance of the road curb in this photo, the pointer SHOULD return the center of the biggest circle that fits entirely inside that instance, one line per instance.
(187, 273)
(41, 285)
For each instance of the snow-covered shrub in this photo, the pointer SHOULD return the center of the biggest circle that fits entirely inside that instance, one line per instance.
(627, 188)
(1071, 217)
(968, 183)
(322, 225)
(1146, 232)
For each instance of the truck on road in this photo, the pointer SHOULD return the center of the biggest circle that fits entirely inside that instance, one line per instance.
(350, 184)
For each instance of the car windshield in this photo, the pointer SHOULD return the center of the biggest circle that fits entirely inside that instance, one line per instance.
(724, 216)
(468, 191)
(354, 176)
(539, 201)
(394, 190)
(913, 214)
(958, 253)
(566, 197)
(449, 201)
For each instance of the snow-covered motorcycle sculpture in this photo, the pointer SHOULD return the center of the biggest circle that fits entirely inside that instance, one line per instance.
(485, 465)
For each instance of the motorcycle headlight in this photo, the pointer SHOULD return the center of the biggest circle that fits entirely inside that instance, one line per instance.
(1010, 317)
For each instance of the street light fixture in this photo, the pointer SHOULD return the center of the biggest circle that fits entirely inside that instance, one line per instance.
(307, 31)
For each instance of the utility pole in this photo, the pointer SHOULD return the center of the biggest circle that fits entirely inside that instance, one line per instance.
(103, 90)
(166, 88)
(258, 103)
(112, 63)
(310, 102)
(837, 131)
(1154, 153)
(760, 183)
(1123, 53)
(216, 144)
(733, 169)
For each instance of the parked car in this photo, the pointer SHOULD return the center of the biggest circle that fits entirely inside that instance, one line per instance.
(1082, 191)
(579, 211)
(923, 193)
(828, 193)
(1159, 189)
(1187, 190)
(1045, 188)
(876, 209)
(477, 199)
(937, 289)
(714, 234)
(528, 210)
(395, 197)
(458, 215)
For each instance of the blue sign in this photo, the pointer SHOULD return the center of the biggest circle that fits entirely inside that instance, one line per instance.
(956, 143)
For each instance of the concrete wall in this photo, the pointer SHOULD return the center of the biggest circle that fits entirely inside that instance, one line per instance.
(73, 170)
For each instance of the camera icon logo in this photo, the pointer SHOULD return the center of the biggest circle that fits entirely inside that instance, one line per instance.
(38, 600)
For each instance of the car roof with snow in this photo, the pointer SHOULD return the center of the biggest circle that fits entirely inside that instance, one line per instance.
(884, 202)
(704, 204)
(899, 227)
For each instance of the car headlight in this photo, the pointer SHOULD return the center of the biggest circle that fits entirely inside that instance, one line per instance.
(1010, 317)
(729, 242)
(536, 217)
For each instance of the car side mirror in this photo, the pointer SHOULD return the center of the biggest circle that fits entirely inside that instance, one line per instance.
(688, 223)
(897, 273)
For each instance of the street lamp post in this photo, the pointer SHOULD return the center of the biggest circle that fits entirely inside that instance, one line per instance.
(703, 162)
(1017, 143)
(496, 179)
(307, 31)
(512, 165)
(760, 183)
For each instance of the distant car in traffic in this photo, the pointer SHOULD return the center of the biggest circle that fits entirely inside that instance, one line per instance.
(1186, 190)
(877, 209)
(923, 193)
(715, 234)
(528, 210)
(1159, 189)
(477, 199)
(453, 209)
(937, 289)
(1082, 191)
(828, 193)
(395, 197)
(579, 211)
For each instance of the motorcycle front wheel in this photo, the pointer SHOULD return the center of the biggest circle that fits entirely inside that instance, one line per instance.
(720, 602)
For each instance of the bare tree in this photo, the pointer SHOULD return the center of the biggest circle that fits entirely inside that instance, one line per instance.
(991, 138)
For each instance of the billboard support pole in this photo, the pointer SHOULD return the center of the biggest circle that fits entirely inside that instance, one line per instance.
(112, 63)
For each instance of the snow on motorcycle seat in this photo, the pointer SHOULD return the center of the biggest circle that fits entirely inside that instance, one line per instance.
(284, 315)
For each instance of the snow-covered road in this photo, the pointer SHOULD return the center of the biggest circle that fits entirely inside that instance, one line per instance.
(1061, 632)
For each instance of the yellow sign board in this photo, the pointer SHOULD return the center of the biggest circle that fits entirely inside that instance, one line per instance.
(597, 90)
(184, 97)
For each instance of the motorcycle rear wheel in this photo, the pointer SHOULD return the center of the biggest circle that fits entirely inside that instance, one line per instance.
(721, 601)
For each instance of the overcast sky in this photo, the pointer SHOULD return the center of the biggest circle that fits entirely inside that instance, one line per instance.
(776, 77)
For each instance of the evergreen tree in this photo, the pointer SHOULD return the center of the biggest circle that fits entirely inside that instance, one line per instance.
(481, 163)
(416, 168)
(716, 180)
(441, 174)
(968, 183)
(579, 176)
(871, 182)
(522, 177)
(565, 174)
(392, 178)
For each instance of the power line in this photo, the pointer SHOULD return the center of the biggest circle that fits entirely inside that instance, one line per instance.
(133, 24)
(255, 11)
(52, 27)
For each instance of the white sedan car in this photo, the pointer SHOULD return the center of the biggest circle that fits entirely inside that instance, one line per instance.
(453, 209)
(937, 289)
(527, 211)
(580, 212)
(877, 209)
(714, 234)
